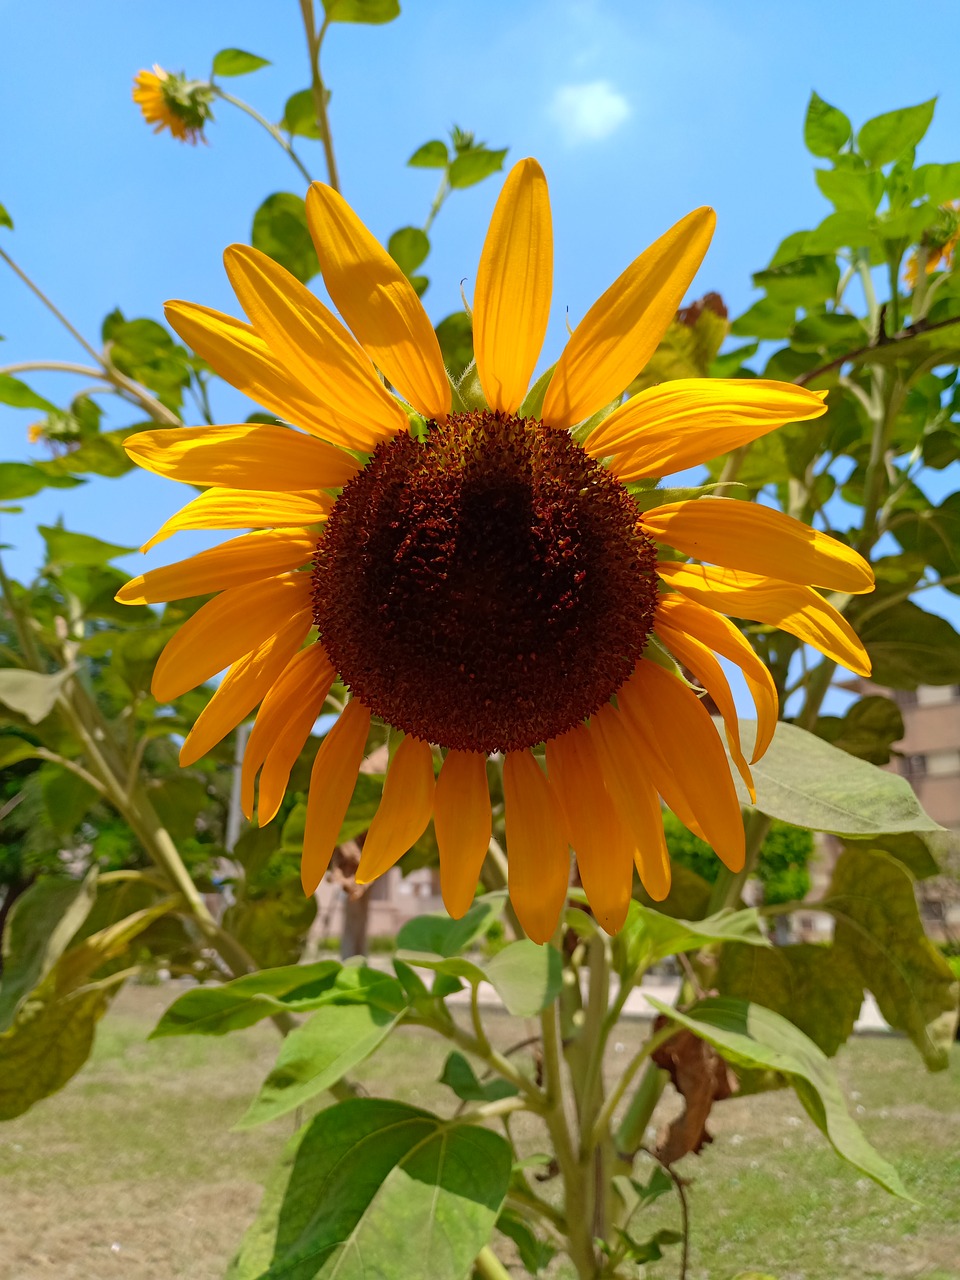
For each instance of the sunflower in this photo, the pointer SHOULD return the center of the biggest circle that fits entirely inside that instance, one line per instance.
(940, 243)
(471, 565)
(173, 102)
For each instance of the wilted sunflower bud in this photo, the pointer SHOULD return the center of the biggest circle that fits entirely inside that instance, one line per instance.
(173, 102)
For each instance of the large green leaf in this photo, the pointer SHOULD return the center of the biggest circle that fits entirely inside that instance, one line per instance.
(39, 927)
(371, 11)
(446, 937)
(237, 62)
(20, 396)
(809, 783)
(21, 480)
(872, 900)
(748, 1035)
(867, 729)
(460, 1076)
(64, 547)
(921, 852)
(49, 1041)
(32, 694)
(826, 129)
(317, 1055)
(280, 231)
(294, 988)
(526, 977)
(886, 137)
(380, 1190)
(648, 936)
(819, 989)
(909, 646)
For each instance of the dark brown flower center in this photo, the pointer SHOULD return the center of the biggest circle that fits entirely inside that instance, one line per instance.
(486, 588)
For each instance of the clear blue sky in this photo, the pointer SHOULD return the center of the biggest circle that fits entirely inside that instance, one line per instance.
(638, 110)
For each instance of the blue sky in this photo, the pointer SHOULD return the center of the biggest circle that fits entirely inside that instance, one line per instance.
(638, 111)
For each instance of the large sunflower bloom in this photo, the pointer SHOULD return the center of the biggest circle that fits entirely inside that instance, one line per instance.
(483, 583)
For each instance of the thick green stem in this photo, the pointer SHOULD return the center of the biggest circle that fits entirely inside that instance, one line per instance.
(318, 88)
(489, 1267)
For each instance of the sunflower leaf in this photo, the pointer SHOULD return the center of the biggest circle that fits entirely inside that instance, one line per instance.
(750, 1036)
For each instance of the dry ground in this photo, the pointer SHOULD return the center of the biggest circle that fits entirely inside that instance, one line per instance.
(132, 1172)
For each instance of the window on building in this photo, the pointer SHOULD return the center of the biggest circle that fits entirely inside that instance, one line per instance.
(942, 763)
(936, 695)
(914, 766)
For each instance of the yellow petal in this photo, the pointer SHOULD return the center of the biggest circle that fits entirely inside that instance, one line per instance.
(622, 329)
(514, 285)
(243, 359)
(378, 302)
(282, 728)
(245, 559)
(248, 456)
(666, 713)
(244, 509)
(311, 342)
(404, 812)
(724, 638)
(332, 780)
(538, 858)
(745, 535)
(627, 772)
(463, 825)
(698, 658)
(600, 841)
(227, 627)
(685, 422)
(242, 688)
(794, 609)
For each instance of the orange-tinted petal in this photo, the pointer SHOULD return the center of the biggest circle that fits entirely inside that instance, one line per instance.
(794, 609)
(243, 359)
(463, 825)
(745, 535)
(312, 343)
(723, 637)
(687, 421)
(404, 812)
(627, 770)
(332, 780)
(604, 851)
(242, 688)
(700, 660)
(282, 728)
(537, 853)
(378, 302)
(244, 509)
(514, 285)
(245, 559)
(622, 329)
(247, 456)
(665, 712)
(227, 627)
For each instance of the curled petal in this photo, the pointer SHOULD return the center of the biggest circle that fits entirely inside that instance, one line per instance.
(622, 329)
(245, 559)
(404, 812)
(247, 456)
(745, 535)
(312, 343)
(537, 851)
(378, 302)
(244, 509)
(463, 824)
(723, 637)
(227, 627)
(687, 421)
(794, 609)
(332, 780)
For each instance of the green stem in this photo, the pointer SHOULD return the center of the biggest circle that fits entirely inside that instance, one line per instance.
(318, 88)
(489, 1267)
(438, 200)
(35, 289)
(604, 1121)
(272, 129)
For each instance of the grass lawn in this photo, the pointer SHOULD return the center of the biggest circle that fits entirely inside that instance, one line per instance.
(132, 1171)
